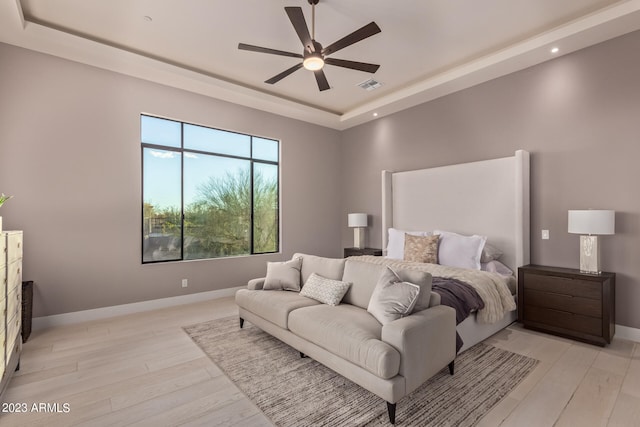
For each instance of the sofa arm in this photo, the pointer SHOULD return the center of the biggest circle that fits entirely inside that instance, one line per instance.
(256, 284)
(426, 341)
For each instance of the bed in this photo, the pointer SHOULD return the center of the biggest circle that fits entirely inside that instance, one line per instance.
(488, 198)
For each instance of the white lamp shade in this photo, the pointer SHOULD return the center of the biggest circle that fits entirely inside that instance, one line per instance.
(357, 220)
(592, 221)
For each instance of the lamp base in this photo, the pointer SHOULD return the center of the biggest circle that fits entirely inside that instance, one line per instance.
(358, 238)
(589, 255)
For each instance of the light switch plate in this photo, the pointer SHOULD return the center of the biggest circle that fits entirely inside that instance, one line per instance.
(545, 234)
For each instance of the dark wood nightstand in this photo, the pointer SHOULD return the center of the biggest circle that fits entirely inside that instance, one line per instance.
(362, 251)
(566, 302)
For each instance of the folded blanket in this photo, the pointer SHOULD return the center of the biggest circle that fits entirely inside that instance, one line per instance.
(460, 296)
(492, 288)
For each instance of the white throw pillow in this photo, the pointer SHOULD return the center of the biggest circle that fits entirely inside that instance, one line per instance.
(456, 250)
(391, 299)
(395, 242)
(327, 291)
(283, 276)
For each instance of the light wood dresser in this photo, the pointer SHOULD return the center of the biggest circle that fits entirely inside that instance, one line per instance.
(10, 304)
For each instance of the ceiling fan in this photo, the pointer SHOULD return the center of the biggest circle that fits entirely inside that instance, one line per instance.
(314, 56)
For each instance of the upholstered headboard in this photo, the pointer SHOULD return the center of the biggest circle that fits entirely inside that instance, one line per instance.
(489, 197)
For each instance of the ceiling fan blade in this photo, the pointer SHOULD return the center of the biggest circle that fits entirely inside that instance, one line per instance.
(321, 79)
(282, 75)
(361, 34)
(300, 25)
(243, 46)
(360, 66)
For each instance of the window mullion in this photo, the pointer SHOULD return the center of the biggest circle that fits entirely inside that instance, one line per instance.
(182, 191)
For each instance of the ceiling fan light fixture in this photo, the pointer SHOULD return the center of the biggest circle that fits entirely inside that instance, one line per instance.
(313, 62)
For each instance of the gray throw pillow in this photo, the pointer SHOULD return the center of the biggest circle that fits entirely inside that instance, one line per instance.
(490, 253)
(283, 276)
(392, 299)
(420, 278)
(327, 291)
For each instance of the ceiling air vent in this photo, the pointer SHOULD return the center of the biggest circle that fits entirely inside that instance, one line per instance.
(370, 84)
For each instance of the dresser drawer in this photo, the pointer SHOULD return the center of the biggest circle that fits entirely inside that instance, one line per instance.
(13, 329)
(14, 246)
(563, 302)
(3, 282)
(3, 344)
(568, 322)
(14, 304)
(3, 251)
(14, 275)
(563, 285)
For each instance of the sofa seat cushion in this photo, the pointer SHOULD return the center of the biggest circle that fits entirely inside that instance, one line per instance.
(273, 306)
(348, 332)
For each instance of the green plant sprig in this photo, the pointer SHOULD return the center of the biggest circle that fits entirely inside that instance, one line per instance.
(4, 198)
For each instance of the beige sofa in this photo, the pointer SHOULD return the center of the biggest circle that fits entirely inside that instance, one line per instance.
(390, 361)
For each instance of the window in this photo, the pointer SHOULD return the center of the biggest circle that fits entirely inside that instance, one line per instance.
(207, 193)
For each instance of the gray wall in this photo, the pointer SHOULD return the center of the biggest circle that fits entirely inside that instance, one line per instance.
(578, 115)
(70, 153)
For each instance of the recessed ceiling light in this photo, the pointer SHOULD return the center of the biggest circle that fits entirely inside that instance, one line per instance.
(555, 50)
(375, 114)
(148, 18)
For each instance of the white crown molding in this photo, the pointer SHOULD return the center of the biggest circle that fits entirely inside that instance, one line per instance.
(613, 21)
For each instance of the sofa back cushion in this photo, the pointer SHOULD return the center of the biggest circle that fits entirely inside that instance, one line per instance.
(331, 268)
(363, 277)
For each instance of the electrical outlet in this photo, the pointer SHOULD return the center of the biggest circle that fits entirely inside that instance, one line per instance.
(545, 234)
(185, 283)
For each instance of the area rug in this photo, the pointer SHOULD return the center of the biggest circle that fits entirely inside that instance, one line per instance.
(292, 391)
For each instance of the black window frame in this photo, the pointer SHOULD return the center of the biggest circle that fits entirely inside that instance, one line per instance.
(181, 150)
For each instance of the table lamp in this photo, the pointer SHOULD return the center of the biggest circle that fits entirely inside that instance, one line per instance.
(358, 221)
(591, 223)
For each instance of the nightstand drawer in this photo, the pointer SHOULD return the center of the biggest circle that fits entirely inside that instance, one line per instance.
(563, 302)
(564, 321)
(564, 285)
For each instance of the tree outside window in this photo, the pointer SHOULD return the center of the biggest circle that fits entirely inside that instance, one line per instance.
(207, 193)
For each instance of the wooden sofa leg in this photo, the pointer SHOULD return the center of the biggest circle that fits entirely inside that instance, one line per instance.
(241, 322)
(391, 408)
(451, 367)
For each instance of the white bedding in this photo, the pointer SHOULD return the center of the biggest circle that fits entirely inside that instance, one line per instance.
(492, 288)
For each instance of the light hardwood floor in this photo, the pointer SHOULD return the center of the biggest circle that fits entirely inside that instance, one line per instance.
(142, 369)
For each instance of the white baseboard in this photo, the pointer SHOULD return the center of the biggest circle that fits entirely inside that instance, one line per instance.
(119, 310)
(627, 333)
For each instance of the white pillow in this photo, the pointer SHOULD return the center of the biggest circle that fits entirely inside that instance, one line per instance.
(327, 291)
(456, 250)
(395, 243)
(283, 276)
(391, 299)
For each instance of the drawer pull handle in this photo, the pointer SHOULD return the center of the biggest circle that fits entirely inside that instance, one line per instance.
(562, 311)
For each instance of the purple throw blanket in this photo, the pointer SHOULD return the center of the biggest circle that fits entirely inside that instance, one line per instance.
(459, 295)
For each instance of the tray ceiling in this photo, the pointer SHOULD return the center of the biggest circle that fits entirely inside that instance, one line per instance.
(426, 49)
